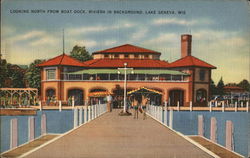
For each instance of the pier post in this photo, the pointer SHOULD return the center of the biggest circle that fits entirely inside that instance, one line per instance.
(200, 125)
(213, 130)
(85, 113)
(88, 113)
(178, 106)
(171, 114)
(13, 133)
(60, 105)
(96, 110)
(216, 103)
(223, 106)
(235, 107)
(229, 135)
(40, 105)
(80, 116)
(247, 106)
(161, 111)
(241, 104)
(43, 124)
(92, 112)
(31, 128)
(210, 106)
(191, 106)
(75, 117)
(165, 113)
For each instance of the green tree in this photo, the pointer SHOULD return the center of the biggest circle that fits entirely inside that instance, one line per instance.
(213, 88)
(220, 87)
(80, 53)
(3, 72)
(245, 85)
(33, 76)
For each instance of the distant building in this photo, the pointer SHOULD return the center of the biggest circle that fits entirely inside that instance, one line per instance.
(184, 80)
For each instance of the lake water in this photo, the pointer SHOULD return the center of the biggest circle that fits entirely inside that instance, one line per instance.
(57, 122)
(186, 122)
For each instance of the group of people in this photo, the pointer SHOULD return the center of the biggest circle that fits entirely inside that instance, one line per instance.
(139, 106)
(51, 99)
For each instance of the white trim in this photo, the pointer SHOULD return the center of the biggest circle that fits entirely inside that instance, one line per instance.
(129, 81)
(50, 68)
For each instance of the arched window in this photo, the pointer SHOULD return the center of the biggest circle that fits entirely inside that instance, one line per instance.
(201, 95)
(50, 92)
(176, 96)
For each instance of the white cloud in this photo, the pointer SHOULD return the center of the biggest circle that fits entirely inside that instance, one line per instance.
(35, 38)
(27, 36)
(139, 34)
(163, 38)
(99, 28)
(110, 42)
(177, 21)
(45, 40)
(86, 43)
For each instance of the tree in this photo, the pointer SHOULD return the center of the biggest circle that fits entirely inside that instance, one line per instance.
(33, 76)
(245, 85)
(80, 53)
(220, 87)
(3, 72)
(213, 88)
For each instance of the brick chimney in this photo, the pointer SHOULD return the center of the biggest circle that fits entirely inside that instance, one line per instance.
(186, 45)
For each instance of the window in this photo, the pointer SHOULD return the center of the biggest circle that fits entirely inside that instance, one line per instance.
(116, 56)
(126, 56)
(146, 56)
(51, 74)
(202, 74)
(136, 56)
(201, 95)
(106, 56)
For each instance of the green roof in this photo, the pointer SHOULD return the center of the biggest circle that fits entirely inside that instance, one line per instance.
(115, 71)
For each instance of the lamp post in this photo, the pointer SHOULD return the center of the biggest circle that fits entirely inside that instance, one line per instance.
(125, 84)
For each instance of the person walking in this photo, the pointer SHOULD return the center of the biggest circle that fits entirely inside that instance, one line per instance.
(135, 107)
(109, 100)
(144, 106)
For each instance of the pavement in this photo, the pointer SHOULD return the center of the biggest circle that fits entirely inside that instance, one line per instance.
(113, 136)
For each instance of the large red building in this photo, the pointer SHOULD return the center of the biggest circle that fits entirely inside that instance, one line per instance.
(183, 80)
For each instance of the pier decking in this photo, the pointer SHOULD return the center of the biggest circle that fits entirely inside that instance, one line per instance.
(120, 136)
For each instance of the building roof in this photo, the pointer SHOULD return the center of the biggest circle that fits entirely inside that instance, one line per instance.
(134, 63)
(144, 90)
(115, 71)
(233, 88)
(190, 61)
(62, 60)
(127, 48)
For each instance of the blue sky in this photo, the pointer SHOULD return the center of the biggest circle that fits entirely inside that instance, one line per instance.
(220, 30)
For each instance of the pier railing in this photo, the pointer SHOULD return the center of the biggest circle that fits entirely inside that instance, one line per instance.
(203, 124)
(23, 129)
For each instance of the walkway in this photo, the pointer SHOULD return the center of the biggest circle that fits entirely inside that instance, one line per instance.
(113, 136)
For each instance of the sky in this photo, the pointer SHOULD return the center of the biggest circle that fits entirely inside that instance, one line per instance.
(220, 30)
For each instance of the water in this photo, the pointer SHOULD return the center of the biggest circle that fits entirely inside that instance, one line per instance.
(57, 122)
(187, 123)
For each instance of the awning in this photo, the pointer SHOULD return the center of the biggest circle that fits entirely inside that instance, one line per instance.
(115, 71)
(144, 90)
(99, 94)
